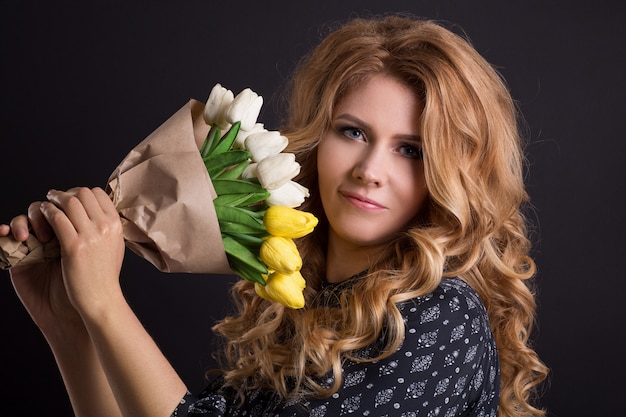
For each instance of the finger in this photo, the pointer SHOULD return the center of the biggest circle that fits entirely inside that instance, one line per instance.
(60, 223)
(88, 200)
(19, 227)
(105, 201)
(95, 206)
(39, 224)
(5, 229)
(71, 206)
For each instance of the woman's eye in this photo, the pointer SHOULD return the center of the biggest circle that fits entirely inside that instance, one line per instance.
(352, 132)
(411, 151)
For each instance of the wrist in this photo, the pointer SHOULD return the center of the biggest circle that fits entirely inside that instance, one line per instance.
(68, 333)
(104, 310)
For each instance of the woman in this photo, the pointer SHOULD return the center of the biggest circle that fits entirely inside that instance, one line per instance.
(417, 300)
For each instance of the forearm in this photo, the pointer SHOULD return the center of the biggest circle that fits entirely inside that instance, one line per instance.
(82, 373)
(142, 380)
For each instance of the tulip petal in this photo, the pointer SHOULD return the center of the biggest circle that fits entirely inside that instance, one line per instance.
(243, 135)
(291, 194)
(277, 170)
(250, 171)
(286, 289)
(288, 222)
(260, 291)
(245, 108)
(280, 254)
(219, 100)
(265, 144)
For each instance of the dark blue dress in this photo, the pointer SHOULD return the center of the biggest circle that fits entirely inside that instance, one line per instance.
(446, 366)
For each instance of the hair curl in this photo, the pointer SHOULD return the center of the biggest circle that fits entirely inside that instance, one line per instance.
(472, 227)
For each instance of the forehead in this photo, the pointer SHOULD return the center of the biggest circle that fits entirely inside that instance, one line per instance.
(382, 99)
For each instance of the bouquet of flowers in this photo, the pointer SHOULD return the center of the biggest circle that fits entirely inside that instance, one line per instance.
(256, 196)
(192, 199)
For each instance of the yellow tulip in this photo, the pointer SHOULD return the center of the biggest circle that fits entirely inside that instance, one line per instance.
(280, 254)
(285, 289)
(288, 222)
(260, 291)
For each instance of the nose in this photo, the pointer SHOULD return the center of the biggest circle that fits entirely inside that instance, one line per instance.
(372, 166)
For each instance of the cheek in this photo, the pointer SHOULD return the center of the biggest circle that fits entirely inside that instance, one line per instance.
(414, 191)
(336, 154)
(328, 161)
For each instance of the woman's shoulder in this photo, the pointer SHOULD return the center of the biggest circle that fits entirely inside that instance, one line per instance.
(448, 337)
(453, 305)
(453, 293)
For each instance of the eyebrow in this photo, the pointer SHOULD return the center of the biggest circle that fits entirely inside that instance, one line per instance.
(366, 126)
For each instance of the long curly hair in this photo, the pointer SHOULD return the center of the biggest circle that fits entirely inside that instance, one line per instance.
(473, 226)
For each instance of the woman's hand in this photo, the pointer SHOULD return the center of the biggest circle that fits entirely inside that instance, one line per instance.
(40, 286)
(92, 246)
(89, 231)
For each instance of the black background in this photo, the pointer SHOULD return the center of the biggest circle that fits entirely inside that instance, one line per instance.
(84, 82)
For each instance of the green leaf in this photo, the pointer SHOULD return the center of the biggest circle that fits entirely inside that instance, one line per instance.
(226, 142)
(234, 172)
(258, 209)
(230, 227)
(249, 274)
(228, 186)
(240, 200)
(238, 215)
(243, 254)
(215, 163)
(251, 242)
(211, 137)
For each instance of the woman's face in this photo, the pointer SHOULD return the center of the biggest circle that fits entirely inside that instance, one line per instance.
(371, 175)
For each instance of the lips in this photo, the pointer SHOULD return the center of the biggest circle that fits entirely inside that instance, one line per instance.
(361, 201)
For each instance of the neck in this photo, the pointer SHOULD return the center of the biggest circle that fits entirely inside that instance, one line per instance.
(343, 260)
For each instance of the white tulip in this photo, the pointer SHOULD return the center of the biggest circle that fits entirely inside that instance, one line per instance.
(250, 171)
(290, 194)
(215, 109)
(277, 170)
(265, 144)
(245, 108)
(243, 134)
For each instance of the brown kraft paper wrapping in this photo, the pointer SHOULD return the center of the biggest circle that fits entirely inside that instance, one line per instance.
(164, 196)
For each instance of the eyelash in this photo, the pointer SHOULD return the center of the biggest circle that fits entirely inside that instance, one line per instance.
(419, 153)
(417, 149)
(344, 131)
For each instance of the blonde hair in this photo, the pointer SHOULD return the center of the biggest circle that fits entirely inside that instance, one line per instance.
(472, 226)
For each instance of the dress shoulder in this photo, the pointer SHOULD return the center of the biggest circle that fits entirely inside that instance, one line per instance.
(451, 348)
(452, 300)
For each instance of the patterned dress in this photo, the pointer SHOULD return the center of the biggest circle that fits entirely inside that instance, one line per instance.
(446, 366)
